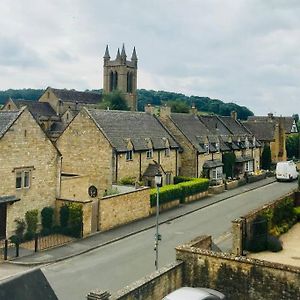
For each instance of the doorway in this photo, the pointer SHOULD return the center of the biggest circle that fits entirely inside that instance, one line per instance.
(2, 221)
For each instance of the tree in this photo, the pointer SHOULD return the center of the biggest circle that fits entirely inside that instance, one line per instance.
(266, 158)
(229, 161)
(292, 145)
(178, 106)
(115, 101)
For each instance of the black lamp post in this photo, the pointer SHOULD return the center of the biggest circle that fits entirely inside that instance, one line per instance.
(158, 183)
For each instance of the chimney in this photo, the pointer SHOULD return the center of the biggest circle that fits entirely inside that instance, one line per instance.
(270, 116)
(165, 111)
(233, 115)
(193, 110)
(149, 109)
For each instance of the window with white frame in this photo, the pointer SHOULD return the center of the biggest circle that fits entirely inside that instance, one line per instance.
(23, 179)
(217, 173)
(149, 153)
(218, 147)
(206, 147)
(249, 166)
(129, 155)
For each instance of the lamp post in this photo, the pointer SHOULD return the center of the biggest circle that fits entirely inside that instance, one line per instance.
(158, 183)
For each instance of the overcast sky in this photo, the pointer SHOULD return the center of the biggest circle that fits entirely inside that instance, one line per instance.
(246, 52)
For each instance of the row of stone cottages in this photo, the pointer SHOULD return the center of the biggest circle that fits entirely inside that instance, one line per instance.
(61, 147)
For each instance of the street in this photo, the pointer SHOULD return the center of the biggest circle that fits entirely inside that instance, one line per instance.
(116, 265)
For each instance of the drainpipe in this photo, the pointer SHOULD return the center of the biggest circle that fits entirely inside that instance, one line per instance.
(176, 163)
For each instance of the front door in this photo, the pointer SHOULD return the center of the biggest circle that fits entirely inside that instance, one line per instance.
(2, 221)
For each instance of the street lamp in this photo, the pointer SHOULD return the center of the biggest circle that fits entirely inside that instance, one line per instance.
(158, 183)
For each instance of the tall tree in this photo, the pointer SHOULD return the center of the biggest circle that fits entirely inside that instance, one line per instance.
(115, 101)
(266, 158)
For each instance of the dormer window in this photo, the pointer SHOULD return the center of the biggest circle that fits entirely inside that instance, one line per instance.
(206, 147)
(149, 153)
(129, 155)
(218, 147)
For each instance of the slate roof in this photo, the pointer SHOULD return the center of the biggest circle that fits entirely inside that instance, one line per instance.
(37, 109)
(7, 118)
(194, 130)
(288, 121)
(234, 126)
(76, 96)
(209, 164)
(263, 131)
(120, 127)
(214, 125)
(152, 170)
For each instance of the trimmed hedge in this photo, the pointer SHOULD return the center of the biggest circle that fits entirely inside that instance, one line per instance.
(179, 179)
(181, 190)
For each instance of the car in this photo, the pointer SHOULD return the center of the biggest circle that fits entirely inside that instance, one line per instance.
(286, 170)
(190, 293)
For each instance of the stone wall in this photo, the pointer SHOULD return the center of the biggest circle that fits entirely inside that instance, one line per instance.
(26, 147)
(155, 286)
(74, 187)
(238, 277)
(124, 208)
(216, 189)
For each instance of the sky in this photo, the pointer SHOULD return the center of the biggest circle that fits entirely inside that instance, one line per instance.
(241, 51)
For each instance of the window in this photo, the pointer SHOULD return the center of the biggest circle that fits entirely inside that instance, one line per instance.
(129, 155)
(167, 152)
(217, 173)
(149, 153)
(23, 179)
(249, 166)
(218, 147)
(206, 147)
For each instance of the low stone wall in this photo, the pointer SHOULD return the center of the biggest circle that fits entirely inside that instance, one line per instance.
(74, 187)
(86, 213)
(216, 189)
(155, 286)
(231, 185)
(195, 197)
(254, 178)
(165, 206)
(242, 226)
(238, 277)
(116, 210)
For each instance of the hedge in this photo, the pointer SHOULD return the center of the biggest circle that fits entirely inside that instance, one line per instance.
(179, 191)
(179, 179)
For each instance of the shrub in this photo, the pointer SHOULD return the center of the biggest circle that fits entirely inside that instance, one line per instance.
(64, 216)
(297, 212)
(109, 192)
(284, 212)
(128, 180)
(195, 186)
(299, 181)
(21, 225)
(266, 159)
(47, 218)
(28, 236)
(75, 219)
(179, 179)
(274, 244)
(31, 218)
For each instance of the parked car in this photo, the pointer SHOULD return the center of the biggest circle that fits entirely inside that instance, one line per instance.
(286, 170)
(189, 293)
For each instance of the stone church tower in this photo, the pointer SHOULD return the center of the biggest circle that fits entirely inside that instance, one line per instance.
(121, 74)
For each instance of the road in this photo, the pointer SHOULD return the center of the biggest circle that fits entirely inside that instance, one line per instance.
(116, 265)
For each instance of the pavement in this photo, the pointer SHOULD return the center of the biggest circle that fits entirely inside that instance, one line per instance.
(101, 239)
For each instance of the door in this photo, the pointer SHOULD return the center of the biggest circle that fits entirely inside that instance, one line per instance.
(2, 221)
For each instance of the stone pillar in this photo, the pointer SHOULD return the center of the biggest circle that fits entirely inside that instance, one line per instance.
(165, 111)
(237, 237)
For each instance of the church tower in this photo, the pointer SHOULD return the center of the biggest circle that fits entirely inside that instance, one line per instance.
(121, 74)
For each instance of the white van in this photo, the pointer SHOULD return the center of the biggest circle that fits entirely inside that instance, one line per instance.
(286, 170)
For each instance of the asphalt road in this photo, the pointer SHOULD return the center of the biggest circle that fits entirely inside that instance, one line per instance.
(118, 264)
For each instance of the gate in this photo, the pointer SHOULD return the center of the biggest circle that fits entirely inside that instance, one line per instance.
(257, 240)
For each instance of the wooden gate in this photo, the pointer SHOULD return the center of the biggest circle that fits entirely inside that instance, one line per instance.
(2, 221)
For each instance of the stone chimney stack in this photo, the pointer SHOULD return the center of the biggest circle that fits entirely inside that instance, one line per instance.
(233, 115)
(193, 110)
(165, 112)
(149, 109)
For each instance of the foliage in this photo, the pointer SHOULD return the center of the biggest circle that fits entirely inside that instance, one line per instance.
(181, 190)
(297, 212)
(27, 94)
(298, 181)
(128, 180)
(115, 101)
(109, 192)
(266, 159)
(292, 145)
(20, 228)
(31, 218)
(47, 219)
(229, 161)
(178, 106)
(178, 179)
(64, 216)
(274, 244)
(75, 219)
(284, 212)
(203, 104)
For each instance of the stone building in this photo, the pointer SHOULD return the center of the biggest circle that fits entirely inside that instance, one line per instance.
(108, 146)
(29, 168)
(121, 74)
(273, 132)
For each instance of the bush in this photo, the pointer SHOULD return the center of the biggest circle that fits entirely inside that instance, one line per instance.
(64, 216)
(28, 236)
(75, 219)
(47, 218)
(297, 212)
(21, 225)
(284, 212)
(179, 191)
(31, 218)
(274, 244)
(128, 180)
(179, 179)
(109, 192)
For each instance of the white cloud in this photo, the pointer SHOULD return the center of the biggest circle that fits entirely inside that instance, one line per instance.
(245, 51)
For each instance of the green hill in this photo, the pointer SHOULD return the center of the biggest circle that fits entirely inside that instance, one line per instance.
(203, 104)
